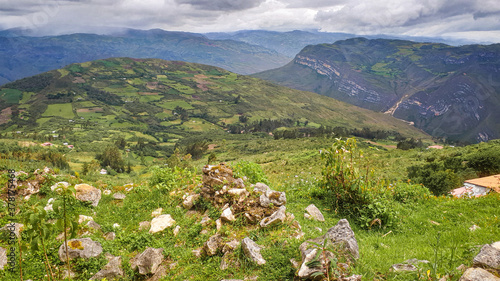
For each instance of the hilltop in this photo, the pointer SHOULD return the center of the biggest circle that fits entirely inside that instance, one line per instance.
(449, 92)
(165, 101)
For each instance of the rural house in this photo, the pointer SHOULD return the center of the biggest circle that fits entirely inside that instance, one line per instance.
(478, 187)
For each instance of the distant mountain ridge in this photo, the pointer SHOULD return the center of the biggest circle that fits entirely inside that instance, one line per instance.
(22, 56)
(451, 92)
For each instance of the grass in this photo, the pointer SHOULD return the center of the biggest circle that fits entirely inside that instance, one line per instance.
(64, 110)
(10, 95)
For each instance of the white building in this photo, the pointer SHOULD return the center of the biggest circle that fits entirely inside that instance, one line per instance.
(478, 187)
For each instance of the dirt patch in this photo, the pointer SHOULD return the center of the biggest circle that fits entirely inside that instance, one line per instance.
(78, 80)
(5, 115)
(93, 110)
(436, 146)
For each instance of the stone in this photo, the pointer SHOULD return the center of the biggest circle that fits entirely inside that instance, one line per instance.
(62, 184)
(88, 193)
(68, 274)
(13, 227)
(341, 235)
(3, 258)
(157, 212)
(80, 248)
(212, 245)
(119, 196)
(176, 230)
(197, 252)
(275, 197)
(218, 224)
(160, 272)
(315, 212)
(478, 274)
(106, 192)
(148, 261)
(83, 218)
(260, 188)
(115, 226)
(144, 225)
(289, 217)
(94, 225)
(227, 215)
(230, 246)
(239, 183)
(160, 223)
(276, 217)
(190, 200)
(252, 250)
(403, 267)
(111, 271)
(488, 257)
(294, 263)
(354, 277)
(238, 192)
(474, 227)
(110, 236)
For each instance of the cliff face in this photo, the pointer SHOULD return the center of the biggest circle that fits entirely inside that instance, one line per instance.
(451, 92)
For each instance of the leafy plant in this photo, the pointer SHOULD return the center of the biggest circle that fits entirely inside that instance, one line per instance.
(251, 170)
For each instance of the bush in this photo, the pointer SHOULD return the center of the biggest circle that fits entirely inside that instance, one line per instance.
(251, 170)
(406, 192)
(167, 179)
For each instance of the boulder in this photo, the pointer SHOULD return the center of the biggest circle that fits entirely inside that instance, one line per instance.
(111, 271)
(148, 261)
(315, 213)
(227, 215)
(260, 188)
(160, 272)
(276, 217)
(212, 245)
(238, 192)
(190, 200)
(275, 197)
(478, 274)
(489, 256)
(80, 248)
(88, 193)
(230, 246)
(119, 196)
(160, 223)
(3, 258)
(340, 237)
(252, 250)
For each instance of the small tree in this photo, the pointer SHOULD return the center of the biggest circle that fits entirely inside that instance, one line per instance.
(112, 157)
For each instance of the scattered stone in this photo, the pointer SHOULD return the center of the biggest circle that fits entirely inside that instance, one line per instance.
(144, 225)
(191, 213)
(489, 256)
(462, 267)
(62, 184)
(212, 245)
(115, 226)
(88, 193)
(341, 234)
(218, 224)
(403, 267)
(353, 278)
(83, 218)
(276, 217)
(203, 232)
(230, 246)
(157, 212)
(478, 274)
(68, 274)
(295, 263)
(106, 192)
(148, 261)
(190, 200)
(474, 227)
(92, 224)
(110, 236)
(205, 220)
(238, 192)
(80, 248)
(239, 183)
(227, 215)
(119, 196)
(13, 227)
(112, 270)
(260, 188)
(197, 252)
(318, 229)
(275, 197)
(160, 223)
(252, 250)
(176, 230)
(3, 257)
(315, 213)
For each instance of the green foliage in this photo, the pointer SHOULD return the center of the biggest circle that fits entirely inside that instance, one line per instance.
(112, 157)
(485, 162)
(167, 179)
(406, 192)
(409, 144)
(251, 170)
(196, 149)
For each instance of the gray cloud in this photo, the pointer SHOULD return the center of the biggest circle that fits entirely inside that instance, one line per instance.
(222, 5)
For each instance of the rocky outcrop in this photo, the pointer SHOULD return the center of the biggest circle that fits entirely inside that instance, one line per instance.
(80, 248)
(148, 261)
(340, 237)
(88, 193)
(252, 250)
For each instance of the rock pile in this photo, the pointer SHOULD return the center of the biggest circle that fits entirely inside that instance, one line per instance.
(485, 265)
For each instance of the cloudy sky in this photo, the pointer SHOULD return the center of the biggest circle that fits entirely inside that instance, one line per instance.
(477, 20)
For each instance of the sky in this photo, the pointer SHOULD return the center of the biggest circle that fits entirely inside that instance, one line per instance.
(474, 20)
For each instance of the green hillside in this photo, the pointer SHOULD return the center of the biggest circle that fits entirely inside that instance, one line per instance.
(165, 101)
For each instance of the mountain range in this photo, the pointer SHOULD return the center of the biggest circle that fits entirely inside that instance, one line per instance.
(451, 92)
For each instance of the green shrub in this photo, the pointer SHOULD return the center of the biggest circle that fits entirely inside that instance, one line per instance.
(406, 192)
(167, 179)
(251, 170)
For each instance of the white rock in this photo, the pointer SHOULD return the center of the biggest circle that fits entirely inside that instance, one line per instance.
(315, 212)
(59, 184)
(157, 212)
(160, 223)
(227, 215)
(82, 218)
(106, 192)
(176, 230)
(115, 225)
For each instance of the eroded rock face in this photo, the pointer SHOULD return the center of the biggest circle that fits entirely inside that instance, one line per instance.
(111, 271)
(488, 257)
(88, 193)
(340, 237)
(80, 248)
(148, 261)
(478, 274)
(252, 250)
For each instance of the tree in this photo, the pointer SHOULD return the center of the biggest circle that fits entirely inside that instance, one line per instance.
(121, 143)
(112, 157)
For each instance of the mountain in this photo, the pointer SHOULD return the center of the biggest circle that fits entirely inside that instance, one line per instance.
(451, 92)
(22, 56)
(168, 100)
